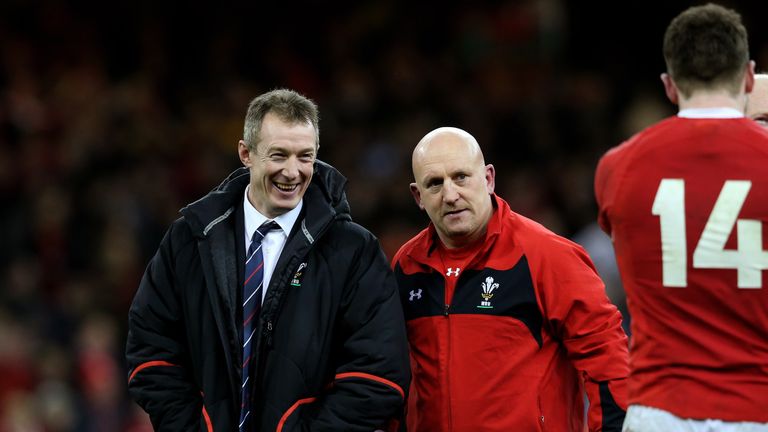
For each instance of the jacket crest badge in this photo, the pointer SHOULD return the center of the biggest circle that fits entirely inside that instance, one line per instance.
(489, 286)
(299, 275)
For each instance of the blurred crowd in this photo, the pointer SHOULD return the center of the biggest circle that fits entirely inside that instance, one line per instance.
(114, 116)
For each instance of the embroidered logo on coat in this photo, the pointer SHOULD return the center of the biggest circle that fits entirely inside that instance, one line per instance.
(296, 280)
(415, 294)
(489, 286)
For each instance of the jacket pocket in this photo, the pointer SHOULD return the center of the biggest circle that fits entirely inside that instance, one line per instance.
(205, 420)
(290, 419)
(217, 416)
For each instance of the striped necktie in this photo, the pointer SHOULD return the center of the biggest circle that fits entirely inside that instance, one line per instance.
(252, 293)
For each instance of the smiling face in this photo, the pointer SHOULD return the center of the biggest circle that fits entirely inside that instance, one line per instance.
(453, 185)
(281, 164)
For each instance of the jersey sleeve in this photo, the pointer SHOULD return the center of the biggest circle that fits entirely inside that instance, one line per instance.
(605, 189)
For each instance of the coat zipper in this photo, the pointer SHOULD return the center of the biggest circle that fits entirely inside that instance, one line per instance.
(448, 367)
(541, 412)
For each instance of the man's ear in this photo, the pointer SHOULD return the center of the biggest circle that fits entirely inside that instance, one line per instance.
(490, 178)
(416, 195)
(749, 77)
(670, 88)
(244, 153)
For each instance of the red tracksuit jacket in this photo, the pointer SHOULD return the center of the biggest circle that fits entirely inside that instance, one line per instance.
(506, 335)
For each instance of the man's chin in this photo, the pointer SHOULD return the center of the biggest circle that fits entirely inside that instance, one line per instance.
(457, 225)
(457, 234)
(280, 207)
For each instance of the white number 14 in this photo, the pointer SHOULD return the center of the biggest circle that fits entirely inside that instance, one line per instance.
(749, 259)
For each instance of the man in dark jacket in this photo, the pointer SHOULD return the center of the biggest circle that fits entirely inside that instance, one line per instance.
(325, 350)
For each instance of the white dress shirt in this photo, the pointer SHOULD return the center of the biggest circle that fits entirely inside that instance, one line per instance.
(274, 241)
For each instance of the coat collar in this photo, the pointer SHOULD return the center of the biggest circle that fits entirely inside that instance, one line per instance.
(325, 198)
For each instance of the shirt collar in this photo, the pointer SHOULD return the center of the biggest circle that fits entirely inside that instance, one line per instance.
(713, 113)
(254, 219)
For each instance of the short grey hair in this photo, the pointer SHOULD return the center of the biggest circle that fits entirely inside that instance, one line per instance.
(288, 105)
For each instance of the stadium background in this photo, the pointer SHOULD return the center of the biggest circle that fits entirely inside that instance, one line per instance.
(113, 115)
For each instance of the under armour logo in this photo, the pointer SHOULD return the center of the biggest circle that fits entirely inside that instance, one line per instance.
(415, 294)
(453, 272)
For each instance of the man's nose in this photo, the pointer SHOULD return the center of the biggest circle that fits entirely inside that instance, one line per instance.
(291, 167)
(450, 192)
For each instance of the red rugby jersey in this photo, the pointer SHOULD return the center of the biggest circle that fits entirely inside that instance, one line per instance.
(686, 203)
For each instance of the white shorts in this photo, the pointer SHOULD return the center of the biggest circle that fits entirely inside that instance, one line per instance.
(646, 419)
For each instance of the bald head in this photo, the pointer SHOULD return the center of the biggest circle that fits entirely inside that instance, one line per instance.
(450, 140)
(757, 105)
(453, 185)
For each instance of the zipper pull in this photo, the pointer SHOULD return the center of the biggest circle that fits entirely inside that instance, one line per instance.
(269, 334)
(445, 310)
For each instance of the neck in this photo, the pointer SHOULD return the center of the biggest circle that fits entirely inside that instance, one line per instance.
(463, 242)
(714, 100)
(457, 243)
